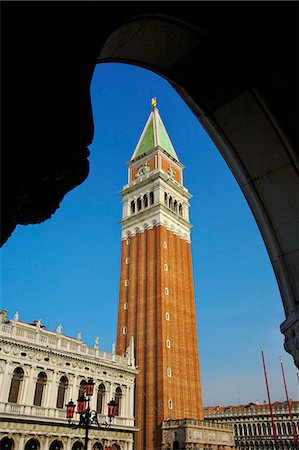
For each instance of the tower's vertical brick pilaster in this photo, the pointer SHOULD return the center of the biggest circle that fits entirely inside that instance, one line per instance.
(156, 294)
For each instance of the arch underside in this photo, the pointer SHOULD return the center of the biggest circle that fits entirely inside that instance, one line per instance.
(245, 128)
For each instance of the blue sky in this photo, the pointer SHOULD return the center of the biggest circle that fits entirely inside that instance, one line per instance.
(66, 270)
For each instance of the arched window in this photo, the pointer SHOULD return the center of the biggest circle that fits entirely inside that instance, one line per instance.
(165, 198)
(264, 429)
(170, 203)
(138, 204)
(259, 429)
(115, 447)
(56, 445)
(176, 445)
(284, 428)
(77, 446)
(32, 444)
(63, 384)
(17, 379)
(249, 429)
(151, 198)
(180, 210)
(289, 428)
(132, 207)
(6, 444)
(278, 428)
(236, 429)
(39, 388)
(97, 446)
(245, 429)
(118, 396)
(240, 430)
(145, 201)
(175, 206)
(82, 388)
(269, 429)
(100, 399)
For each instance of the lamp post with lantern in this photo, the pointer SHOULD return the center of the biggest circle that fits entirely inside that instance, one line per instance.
(88, 417)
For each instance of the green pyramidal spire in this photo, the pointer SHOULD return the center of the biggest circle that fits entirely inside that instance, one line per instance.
(154, 134)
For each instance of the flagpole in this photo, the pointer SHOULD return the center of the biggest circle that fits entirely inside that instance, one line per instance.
(269, 400)
(289, 405)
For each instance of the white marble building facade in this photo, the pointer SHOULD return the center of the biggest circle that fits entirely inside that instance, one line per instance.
(41, 370)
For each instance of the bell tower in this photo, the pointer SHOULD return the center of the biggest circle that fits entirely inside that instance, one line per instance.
(156, 294)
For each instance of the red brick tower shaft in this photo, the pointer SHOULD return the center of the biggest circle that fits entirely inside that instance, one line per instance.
(156, 296)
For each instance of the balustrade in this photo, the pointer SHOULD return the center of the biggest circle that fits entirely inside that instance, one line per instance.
(53, 413)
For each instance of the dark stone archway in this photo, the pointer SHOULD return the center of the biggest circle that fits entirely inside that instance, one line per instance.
(234, 64)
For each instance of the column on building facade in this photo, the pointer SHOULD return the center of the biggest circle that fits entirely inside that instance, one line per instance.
(46, 395)
(69, 444)
(46, 443)
(5, 382)
(70, 390)
(93, 399)
(21, 442)
(111, 393)
(32, 379)
(53, 389)
(123, 411)
(106, 399)
(25, 387)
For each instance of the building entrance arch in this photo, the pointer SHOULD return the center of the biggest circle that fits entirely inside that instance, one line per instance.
(56, 445)
(32, 444)
(7, 444)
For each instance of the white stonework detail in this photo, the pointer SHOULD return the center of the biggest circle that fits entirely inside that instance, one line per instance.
(195, 434)
(36, 350)
(158, 213)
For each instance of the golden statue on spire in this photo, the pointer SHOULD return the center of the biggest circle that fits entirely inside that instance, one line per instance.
(154, 102)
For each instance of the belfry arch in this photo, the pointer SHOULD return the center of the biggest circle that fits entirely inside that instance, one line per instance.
(233, 67)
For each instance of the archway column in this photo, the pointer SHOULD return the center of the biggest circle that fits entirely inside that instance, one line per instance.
(21, 442)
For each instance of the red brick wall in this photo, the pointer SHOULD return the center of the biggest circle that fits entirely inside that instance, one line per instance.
(145, 319)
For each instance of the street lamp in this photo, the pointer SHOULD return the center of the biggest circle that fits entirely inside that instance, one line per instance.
(88, 417)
